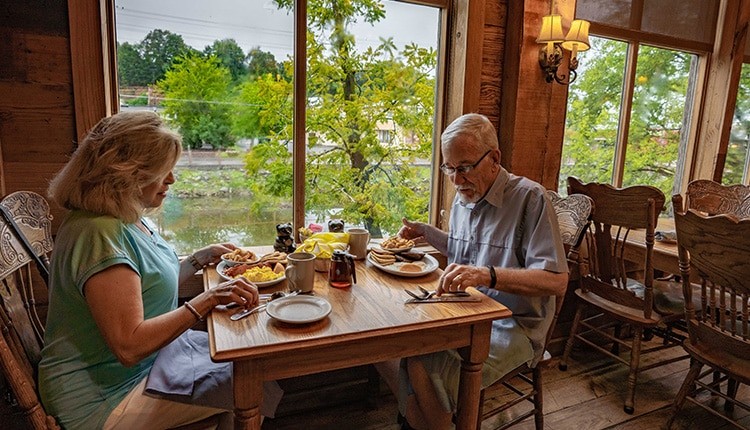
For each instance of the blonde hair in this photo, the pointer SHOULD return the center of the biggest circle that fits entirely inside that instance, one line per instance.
(119, 156)
(472, 125)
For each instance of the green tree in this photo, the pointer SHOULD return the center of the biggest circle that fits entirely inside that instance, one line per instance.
(230, 55)
(261, 63)
(130, 65)
(739, 140)
(658, 108)
(371, 178)
(158, 50)
(196, 91)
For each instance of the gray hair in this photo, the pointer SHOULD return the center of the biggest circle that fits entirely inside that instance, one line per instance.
(118, 157)
(474, 126)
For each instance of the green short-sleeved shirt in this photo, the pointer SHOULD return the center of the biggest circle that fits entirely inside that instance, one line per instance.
(80, 379)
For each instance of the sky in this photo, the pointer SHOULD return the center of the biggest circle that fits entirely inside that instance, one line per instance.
(253, 23)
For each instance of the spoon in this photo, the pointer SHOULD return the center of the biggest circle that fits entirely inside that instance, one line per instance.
(274, 296)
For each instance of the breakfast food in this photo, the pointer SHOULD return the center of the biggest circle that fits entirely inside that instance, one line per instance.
(240, 256)
(412, 255)
(382, 257)
(273, 258)
(259, 274)
(396, 243)
(410, 267)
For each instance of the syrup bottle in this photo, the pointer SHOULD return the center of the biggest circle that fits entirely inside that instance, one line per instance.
(342, 273)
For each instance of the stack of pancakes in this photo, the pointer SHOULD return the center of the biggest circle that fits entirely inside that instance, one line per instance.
(382, 257)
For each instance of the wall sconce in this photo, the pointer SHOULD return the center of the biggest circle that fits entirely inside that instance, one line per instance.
(551, 55)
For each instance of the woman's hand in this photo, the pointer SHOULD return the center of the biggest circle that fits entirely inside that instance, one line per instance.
(239, 290)
(459, 277)
(212, 253)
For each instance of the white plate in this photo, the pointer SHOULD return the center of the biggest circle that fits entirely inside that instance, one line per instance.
(428, 263)
(299, 309)
(221, 267)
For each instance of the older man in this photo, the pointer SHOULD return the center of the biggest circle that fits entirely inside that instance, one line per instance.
(504, 240)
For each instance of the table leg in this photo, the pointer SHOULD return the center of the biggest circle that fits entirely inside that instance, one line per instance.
(248, 395)
(470, 385)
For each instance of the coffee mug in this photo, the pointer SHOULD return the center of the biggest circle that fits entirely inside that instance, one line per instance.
(300, 271)
(359, 238)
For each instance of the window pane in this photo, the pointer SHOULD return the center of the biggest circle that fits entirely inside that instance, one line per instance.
(738, 156)
(656, 121)
(195, 63)
(592, 115)
(371, 88)
(222, 75)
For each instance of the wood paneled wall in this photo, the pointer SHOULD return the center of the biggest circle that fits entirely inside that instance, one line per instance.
(37, 118)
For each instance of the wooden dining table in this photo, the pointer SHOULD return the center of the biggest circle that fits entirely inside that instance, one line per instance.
(665, 257)
(368, 323)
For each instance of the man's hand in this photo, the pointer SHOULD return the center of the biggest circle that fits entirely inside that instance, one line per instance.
(459, 277)
(411, 230)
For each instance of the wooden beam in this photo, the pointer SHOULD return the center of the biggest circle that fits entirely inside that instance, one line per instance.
(87, 64)
(723, 80)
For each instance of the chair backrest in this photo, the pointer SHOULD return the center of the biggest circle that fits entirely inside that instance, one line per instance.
(714, 252)
(713, 198)
(21, 331)
(617, 212)
(573, 216)
(27, 237)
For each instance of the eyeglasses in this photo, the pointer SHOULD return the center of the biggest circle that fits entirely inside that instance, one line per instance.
(464, 168)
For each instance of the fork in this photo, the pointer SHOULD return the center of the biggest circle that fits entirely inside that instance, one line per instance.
(424, 294)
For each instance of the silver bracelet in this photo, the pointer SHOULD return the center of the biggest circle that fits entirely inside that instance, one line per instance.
(194, 311)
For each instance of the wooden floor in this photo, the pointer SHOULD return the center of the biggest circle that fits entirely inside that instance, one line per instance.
(588, 396)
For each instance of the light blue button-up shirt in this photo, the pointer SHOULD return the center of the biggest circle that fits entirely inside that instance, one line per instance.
(513, 226)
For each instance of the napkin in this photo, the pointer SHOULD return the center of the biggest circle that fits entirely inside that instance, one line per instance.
(665, 236)
(183, 372)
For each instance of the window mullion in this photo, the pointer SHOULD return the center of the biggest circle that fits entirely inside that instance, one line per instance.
(300, 104)
(626, 106)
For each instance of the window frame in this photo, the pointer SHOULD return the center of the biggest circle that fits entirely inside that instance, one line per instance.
(99, 98)
(634, 37)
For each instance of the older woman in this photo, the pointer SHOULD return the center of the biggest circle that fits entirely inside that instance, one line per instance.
(113, 282)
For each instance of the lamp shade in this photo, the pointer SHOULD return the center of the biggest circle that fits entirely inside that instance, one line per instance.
(552, 30)
(578, 36)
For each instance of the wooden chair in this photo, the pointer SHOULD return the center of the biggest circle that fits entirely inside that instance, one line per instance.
(619, 292)
(22, 330)
(713, 198)
(573, 214)
(715, 251)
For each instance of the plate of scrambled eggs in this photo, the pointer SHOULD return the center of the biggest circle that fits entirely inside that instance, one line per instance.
(261, 276)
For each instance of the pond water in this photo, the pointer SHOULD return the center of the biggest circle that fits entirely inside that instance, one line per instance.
(191, 223)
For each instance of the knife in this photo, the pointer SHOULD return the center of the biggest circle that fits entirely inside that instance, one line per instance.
(446, 299)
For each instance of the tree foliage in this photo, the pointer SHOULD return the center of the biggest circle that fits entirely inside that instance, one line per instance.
(738, 152)
(196, 92)
(147, 62)
(656, 118)
(367, 175)
(230, 55)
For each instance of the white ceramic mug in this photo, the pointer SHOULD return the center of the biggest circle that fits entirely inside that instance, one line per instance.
(300, 271)
(359, 238)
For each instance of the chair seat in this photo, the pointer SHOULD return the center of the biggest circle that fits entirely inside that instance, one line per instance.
(622, 312)
(735, 367)
(668, 299)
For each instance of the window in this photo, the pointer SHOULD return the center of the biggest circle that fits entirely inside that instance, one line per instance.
(225, 78)
(597, 147)
(630, 111)
(737, 164)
